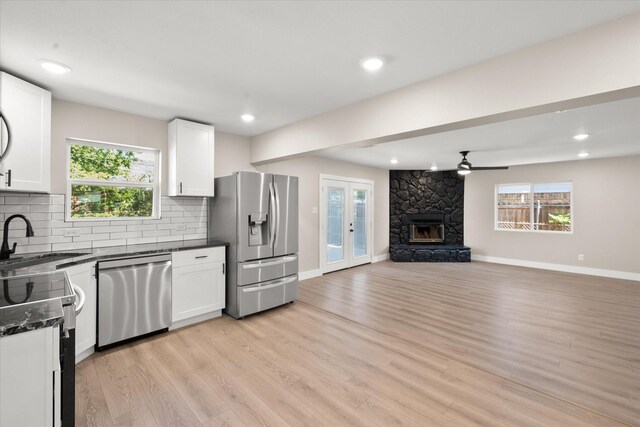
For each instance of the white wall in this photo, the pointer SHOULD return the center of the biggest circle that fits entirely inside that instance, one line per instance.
(308, 169)
(232, 153)
(606, 216)
(73, 120)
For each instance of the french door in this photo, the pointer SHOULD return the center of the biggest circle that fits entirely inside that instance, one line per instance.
(346, 223)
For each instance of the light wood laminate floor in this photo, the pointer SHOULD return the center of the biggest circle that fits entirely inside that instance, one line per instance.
(390, 344)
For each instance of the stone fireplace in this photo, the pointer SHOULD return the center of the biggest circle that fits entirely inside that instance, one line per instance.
(426, 216)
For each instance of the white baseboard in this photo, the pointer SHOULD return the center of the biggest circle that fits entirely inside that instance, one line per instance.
(195, 319)
(379, 258)
(614, 274)
(310, 274)
(83, 355)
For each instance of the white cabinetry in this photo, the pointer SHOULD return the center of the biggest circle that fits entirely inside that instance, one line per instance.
(197, 285)
(27, 109)
(191, 159)
(82, 275)
(30, 367)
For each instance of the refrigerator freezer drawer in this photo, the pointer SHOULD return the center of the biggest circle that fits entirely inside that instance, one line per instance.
(266, 295)
(266, 269)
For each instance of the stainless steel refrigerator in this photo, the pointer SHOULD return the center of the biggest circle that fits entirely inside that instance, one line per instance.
(257, 213)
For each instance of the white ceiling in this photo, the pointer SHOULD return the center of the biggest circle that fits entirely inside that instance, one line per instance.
(614, 130)
(211, 61)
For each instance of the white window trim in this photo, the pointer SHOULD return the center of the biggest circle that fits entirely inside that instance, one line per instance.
(155, 186)
(531, 209)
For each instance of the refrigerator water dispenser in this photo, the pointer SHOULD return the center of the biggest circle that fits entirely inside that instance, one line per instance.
(258, 228)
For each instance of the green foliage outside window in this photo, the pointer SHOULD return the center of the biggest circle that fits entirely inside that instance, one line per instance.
(93, 163)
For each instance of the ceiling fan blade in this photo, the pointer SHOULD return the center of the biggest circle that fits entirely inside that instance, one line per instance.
(489, 168)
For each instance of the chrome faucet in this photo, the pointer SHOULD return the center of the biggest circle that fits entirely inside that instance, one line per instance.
(5, 251)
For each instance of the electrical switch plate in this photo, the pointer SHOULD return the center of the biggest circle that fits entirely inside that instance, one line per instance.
(314, 210)
(181, 227)
(580, 257)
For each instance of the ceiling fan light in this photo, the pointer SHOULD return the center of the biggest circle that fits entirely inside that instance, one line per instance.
(464, 168)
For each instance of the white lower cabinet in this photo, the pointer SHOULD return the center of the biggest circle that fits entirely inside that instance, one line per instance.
(30, 378)
(82, 275)
(197, 285)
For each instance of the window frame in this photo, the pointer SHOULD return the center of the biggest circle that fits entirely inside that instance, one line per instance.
(531, 208)
(155, 186)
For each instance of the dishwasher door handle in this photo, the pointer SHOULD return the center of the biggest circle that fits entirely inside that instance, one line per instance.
(133, 262)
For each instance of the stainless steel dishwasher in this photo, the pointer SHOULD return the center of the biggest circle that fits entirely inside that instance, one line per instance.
(134, 298)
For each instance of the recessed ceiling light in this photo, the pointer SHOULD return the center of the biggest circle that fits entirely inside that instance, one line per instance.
(394, 161)
(434, 168)
(583, 155)
(247, 117)
(372, 64)
(54, 67)
(581, 136)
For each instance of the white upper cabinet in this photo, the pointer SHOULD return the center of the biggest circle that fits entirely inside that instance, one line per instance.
(27, 110)
(191, 156)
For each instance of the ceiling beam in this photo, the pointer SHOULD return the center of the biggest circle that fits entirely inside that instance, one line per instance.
(599, 64)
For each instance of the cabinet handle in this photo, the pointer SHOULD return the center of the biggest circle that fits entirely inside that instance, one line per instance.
(223, 268)
(9, 178)
(202, 256)
(180, 188)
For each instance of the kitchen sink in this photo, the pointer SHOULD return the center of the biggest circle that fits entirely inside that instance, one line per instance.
(22, 262)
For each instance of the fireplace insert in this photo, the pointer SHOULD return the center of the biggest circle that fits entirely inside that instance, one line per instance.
(426, 228)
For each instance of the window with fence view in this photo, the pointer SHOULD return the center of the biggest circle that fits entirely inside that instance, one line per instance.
(534, 207)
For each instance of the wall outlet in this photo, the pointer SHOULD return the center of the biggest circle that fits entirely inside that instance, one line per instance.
(181, 227)
(314, 210)
(580, 257)
(71, 232)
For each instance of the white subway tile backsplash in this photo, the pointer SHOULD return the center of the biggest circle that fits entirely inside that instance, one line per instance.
(147, 227)
(105, 243)
(70, 246)
(47, 208)
(91, 237)
(126, 235)
(27, 249)
(182, 219)
(156, 233)
(34, 200)
(110, 229)
(161, 239)
(39, 240)
(11, 209)
(141, 240)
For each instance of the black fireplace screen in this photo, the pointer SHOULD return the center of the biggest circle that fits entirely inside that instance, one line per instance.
(426, 228)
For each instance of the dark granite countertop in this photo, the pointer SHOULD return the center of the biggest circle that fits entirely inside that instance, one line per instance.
(89, 255)
(19, 318)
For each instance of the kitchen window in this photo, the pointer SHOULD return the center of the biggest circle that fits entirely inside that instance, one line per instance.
(111, 181)
(534, 207)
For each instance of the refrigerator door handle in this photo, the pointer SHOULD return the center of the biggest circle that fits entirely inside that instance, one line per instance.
(272, 215)
(277, 233)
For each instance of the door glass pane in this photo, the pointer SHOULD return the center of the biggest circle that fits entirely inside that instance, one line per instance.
(335, 222)
(359, 223)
